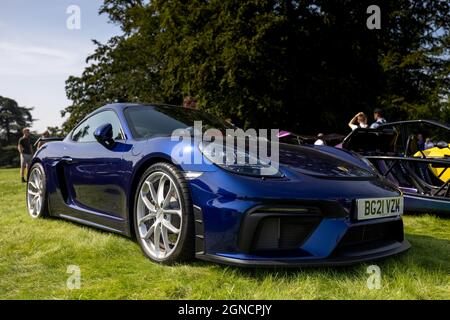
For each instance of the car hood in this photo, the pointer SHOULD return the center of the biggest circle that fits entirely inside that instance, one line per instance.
(313, 161)
(303, 159)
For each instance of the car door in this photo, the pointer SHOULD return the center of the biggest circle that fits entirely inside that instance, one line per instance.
(94, 173)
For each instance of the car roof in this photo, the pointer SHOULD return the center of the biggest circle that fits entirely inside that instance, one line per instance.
(118, 107)
(123, 105)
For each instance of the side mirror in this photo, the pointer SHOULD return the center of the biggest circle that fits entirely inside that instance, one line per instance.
(104, 135)
(442, 145)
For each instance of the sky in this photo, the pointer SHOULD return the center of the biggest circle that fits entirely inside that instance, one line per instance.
(38, 51)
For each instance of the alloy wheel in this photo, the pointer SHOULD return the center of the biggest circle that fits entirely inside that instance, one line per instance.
(159, 215)
(35, 193)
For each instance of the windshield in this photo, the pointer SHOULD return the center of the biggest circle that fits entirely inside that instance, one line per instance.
(147, 121)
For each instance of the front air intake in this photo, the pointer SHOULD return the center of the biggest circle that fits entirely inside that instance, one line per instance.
(283, 233)
(367, 237)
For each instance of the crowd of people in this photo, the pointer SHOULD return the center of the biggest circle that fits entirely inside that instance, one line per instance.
(358, 121)
(421, 144)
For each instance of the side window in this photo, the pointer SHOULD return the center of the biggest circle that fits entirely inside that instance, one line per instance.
(85, 131)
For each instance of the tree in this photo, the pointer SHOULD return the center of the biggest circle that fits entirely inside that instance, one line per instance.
(296, 65)
(55, 131)
(415, 59)
(13, 119)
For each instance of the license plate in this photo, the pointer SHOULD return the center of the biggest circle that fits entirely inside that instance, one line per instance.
(379, 207)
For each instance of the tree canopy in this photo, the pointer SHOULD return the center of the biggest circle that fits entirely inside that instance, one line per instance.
(13, 118)
(304, 65)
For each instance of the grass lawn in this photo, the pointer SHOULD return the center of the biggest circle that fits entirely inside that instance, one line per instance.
(35, 255)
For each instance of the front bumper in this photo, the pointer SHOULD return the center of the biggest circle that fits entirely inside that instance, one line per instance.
(362, 256)
(309, 237)
(245, 221)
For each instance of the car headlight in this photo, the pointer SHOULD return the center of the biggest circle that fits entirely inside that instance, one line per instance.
(237, 161)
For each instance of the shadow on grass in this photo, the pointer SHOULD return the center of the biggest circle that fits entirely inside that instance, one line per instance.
(426, 253)
(444, 216)
(417, 238)
(259, 273)
(429, 251)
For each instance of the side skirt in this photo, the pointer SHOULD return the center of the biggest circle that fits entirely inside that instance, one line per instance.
(90, 223)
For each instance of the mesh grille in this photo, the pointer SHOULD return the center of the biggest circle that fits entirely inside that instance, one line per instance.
(372, 235)
(283, 233)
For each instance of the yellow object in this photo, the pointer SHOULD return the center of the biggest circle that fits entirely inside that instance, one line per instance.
(437, 153)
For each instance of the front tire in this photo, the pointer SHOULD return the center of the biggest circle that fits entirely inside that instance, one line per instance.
(163, 217)
(37, 192)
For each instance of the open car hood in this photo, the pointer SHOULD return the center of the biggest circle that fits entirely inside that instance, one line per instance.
(371, 141)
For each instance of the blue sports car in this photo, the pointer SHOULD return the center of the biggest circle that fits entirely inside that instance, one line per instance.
(115, 171)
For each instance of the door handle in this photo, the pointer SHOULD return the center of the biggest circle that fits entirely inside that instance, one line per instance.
(67, 159)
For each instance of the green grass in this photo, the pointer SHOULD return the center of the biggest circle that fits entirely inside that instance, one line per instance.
(35, 254)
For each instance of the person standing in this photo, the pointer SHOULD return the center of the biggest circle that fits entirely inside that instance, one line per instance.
(420, 142)
(320, 140)
(26, 152)
(358, 121)
(189, 102)
(428, 144)
(379, 120)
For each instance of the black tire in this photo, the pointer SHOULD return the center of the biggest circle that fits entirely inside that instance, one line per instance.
(184, 249)
(42, 212)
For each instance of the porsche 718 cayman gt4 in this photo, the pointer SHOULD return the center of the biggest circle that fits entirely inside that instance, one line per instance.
(115, 171)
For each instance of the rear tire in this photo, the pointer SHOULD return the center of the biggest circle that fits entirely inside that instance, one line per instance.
(163, 215)
(37, 192)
